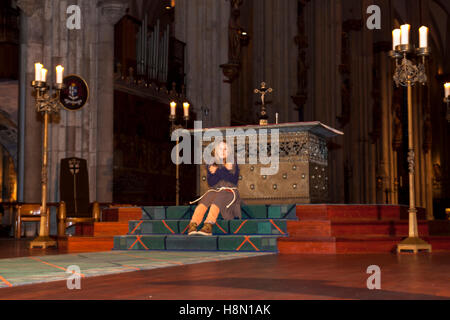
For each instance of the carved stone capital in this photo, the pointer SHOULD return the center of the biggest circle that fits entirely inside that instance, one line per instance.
(31, 7)
(113, 10)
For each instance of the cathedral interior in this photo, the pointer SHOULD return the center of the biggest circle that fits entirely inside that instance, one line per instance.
(325, 60)
(322, 60)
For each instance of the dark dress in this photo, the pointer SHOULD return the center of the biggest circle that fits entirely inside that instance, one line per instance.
(227, 199)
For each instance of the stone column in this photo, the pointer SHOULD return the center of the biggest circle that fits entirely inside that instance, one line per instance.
(324, 27)
(203, 26)
(275, 55)
(32, 13)
(110, 12)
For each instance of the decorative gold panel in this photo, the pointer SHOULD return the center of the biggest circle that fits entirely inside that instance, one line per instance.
(302, 176)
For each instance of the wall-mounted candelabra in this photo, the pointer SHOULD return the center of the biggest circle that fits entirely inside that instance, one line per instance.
(447, 99)
(410, 70)
(174, 126)
(46, 104)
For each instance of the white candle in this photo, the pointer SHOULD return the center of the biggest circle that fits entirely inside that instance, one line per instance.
(186, 109)
(405, 33)
(38, 71)
(59, 74)
(423, 37)
(396, 34)
(43, 75)
(447, 89)
(173, 106)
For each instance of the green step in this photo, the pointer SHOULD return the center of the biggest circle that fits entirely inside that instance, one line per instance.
(287, 211)
(140, 242)
(222, 227)
(256, 243)
(248, 212)
(247, 243)
(261, 227)
(191, 243)
(153, 227)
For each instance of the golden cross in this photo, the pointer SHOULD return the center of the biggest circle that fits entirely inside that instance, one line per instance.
(263, 91)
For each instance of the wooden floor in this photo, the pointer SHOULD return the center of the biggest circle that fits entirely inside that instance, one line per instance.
(267, 277)
(12, 248)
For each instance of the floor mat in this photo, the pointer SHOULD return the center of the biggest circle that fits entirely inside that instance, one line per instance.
(30, 270)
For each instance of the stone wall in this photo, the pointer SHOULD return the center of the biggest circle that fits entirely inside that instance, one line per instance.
(87, 52)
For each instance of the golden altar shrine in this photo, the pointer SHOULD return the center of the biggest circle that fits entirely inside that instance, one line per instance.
(302, 175)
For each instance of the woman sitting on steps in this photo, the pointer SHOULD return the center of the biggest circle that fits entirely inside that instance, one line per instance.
(222, 197)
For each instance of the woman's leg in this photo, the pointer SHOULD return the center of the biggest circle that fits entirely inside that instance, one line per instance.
(207, 229)
(199, 213)
(213, 214)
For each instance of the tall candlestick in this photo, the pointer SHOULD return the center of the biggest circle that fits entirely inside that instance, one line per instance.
(43, 75)
(447, 89)
(405, 33)
(423, 37)
(173, 106)
(396, 34)
(59, 74)
(186, 109)
(38, 71)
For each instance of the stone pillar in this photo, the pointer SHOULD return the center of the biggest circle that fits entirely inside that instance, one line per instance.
(359, 147)
(110, 12)
(324, 27)
(275, 55)
(32, 13)
(203, 26)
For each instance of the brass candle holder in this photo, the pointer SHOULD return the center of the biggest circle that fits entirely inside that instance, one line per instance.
(410, 70)
(46, 104)
(174, 126)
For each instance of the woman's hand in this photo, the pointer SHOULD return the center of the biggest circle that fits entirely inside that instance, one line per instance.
(229, 166)
(212, 169)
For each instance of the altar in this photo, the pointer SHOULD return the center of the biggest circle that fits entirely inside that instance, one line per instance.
(302, 175)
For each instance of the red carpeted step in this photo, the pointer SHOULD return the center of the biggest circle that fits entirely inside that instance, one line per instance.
(353, 244)
(439, 227)
(121, 214)
(101, 229)
(363, 212)
(307, 245)
(367, 244)
(332, 245)
(86, 244)
(386, 228)
(309, 228)
(438, 243)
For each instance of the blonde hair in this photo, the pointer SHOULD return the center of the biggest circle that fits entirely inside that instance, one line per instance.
(216, 154)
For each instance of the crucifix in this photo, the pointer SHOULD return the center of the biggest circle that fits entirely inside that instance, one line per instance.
(263, 119)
